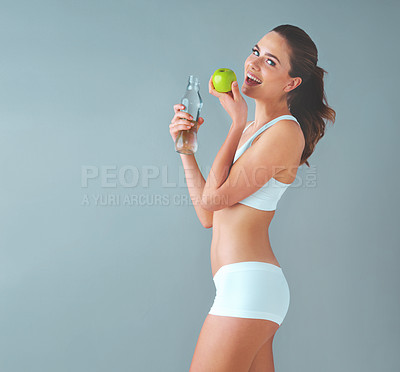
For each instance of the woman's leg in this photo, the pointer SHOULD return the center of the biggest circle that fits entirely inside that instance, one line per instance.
(227, 344)
(264, 359)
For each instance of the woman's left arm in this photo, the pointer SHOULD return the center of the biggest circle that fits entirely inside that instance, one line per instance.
(236, 107)
(222, 162)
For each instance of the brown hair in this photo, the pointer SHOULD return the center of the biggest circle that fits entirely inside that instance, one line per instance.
(307, 102)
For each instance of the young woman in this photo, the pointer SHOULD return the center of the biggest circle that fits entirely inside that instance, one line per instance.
(255, 165)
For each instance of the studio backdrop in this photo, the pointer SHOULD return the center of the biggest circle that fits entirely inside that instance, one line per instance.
(104, 265)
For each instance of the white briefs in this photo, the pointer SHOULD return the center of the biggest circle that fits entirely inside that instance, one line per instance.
(251, 289)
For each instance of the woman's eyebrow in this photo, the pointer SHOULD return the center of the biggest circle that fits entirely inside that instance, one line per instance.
(268, 54)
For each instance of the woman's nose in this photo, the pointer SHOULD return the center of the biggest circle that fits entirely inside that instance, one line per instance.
(254, 65)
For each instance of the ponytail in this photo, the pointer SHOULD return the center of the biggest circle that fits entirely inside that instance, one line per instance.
(308, 104)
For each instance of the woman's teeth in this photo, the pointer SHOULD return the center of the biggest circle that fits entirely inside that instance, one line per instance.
(254, 79)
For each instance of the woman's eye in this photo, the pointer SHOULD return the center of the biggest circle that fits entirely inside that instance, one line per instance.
(255, 50)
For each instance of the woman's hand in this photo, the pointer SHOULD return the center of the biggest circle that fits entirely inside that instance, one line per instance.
(182, 121)
(233, 102)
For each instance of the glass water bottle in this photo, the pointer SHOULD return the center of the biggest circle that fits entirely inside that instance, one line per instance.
(186, 142)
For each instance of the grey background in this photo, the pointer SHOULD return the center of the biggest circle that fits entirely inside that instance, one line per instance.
(118, 287)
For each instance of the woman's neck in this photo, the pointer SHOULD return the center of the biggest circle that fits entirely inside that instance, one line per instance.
(267, 111)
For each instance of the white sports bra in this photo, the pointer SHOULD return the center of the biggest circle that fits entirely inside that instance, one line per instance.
(266, 198)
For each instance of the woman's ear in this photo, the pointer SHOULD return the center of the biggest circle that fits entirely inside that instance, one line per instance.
(294, 83)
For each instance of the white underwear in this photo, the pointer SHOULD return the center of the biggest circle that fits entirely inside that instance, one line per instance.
(251, 289)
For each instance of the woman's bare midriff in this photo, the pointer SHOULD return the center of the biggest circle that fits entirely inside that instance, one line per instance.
(240, 233)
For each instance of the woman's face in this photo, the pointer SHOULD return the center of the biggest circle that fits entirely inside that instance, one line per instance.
(269, 62)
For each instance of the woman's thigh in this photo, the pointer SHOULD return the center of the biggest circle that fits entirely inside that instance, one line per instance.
(264, 359)
(227, 344)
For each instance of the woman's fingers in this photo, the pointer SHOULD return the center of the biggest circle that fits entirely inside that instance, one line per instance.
(180, 114)
(180, 124)
(178, 107)
(183, 124)
(182, 121)
(211, 88)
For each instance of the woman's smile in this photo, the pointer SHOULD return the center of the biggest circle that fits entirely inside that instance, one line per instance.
(252, 80)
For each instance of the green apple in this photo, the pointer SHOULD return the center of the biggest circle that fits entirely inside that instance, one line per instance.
(222, 80)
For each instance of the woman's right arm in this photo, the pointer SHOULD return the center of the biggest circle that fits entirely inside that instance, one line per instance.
(196, 182)
(194, 179)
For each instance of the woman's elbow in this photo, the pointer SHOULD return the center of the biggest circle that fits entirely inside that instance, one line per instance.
(204, 203)
(208, 205)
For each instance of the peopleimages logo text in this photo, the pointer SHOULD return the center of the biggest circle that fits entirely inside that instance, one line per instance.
(145, 176)
(143, 186)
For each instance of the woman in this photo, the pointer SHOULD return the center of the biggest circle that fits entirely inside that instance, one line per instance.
(253, 168)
